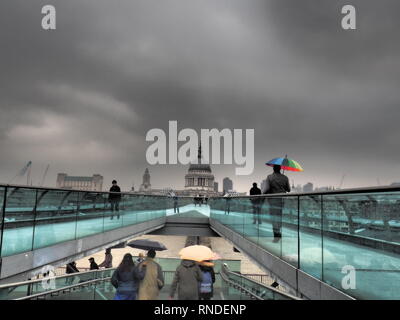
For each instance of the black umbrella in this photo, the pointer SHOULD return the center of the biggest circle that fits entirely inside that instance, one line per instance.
(146, 244)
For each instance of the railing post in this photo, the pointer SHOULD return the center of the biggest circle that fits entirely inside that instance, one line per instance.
(34, 219)
(298, 232)
(77, 214)
(3, 212)
(322, 238)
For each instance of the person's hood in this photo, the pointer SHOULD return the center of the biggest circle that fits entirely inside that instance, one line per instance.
(188, 263)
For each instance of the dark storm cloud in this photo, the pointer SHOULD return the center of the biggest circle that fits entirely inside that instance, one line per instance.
(83, 97)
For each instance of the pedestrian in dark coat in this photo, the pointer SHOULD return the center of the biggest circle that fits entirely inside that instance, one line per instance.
(126, 279)
(186, 280)
(114, 198)
(276, 183)
(256, 203)
(93, 264)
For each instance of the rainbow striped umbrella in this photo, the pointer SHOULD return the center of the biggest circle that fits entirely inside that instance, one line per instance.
(286, 164)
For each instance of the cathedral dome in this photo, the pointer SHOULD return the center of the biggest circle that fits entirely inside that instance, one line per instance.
(199, 177)
(200, 167)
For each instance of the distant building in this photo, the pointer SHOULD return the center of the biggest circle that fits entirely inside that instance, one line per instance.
(227, 185)
(93, 183)
(146, 185)
(322, 189)
(395, 184)
(297, 188)
(216, 186)
(199, 178)
(308, 187)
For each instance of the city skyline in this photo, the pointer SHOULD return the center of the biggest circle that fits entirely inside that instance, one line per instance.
(82, 97)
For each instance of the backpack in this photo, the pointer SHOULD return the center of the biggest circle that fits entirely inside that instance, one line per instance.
(206, 284)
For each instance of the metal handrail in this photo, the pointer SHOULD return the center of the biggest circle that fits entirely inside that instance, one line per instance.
(329, 192)
(68, 288)
(338, 191)
(224, 269)
(233, 284)
(50, 292)
(28, 282)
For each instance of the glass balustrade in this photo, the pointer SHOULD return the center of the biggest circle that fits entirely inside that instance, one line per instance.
(350, 240)
(33, 218)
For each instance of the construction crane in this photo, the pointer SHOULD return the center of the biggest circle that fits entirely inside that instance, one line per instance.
(21, 173)
(341, 181)
(44, 175)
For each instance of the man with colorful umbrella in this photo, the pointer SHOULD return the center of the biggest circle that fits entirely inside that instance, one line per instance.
(278, 183)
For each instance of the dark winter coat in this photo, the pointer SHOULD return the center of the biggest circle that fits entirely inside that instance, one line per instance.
(277, 183)
(187, 279)
(127, 281)
(114, 196)
(255, 191)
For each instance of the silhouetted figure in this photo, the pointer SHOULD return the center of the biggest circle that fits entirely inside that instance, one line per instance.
(93, 264)
(256, 203)
(107, 263)
(114, 198)
(227, 204)
(176, 206)
(276, 183)
(69, 269)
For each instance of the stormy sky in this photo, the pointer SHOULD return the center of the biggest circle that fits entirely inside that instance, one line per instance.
(82, 98)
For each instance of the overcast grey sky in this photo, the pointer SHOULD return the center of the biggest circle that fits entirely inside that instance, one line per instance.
(82, 98)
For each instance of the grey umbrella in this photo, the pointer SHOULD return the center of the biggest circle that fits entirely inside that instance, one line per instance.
(146, 244)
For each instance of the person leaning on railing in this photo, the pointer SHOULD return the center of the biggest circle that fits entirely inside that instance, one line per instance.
(114, 198)
(276, 183)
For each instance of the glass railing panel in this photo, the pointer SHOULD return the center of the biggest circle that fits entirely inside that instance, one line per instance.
(130, 216)
(217, 209)
(270, 230)
(2, 197)
(14, 292)
(104, 291)
(310, 235)
(114, 212)
(92, 212)
(56, 215)
(290, 234)
(361, 244)
(18, 221)
(144, 207)
(251, 217)
(235, 214)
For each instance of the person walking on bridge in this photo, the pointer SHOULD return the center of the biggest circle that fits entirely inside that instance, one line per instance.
(153, 279)
(276, 183)
(187, 280)
(256, 203)
(176, 205)
(114, 198)
(126, 279)
(107, 263)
